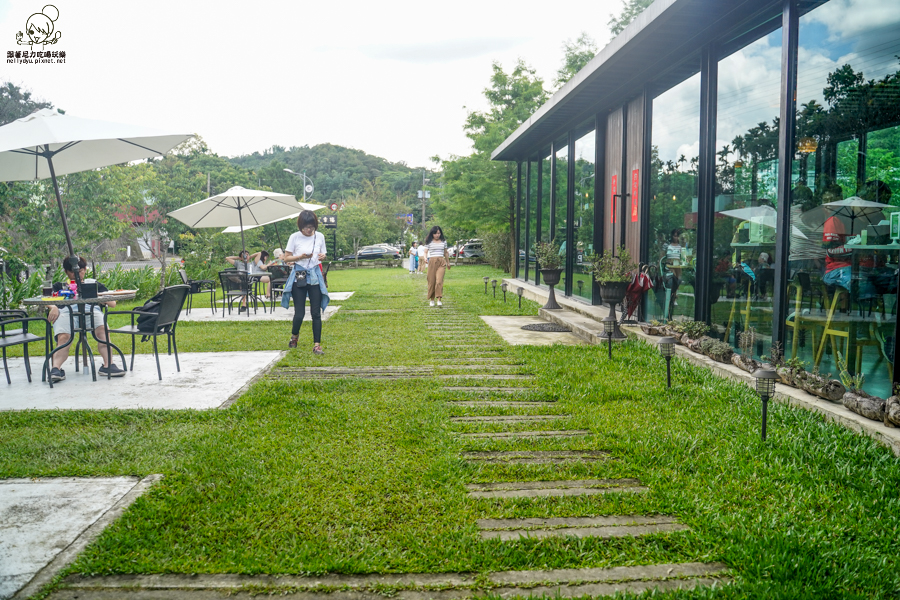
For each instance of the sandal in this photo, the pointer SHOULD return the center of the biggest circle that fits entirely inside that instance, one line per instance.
(293, 342)
(317, 349)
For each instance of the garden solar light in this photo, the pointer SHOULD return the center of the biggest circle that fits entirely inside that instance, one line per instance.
(765, 386)
(486, 279)
(504, 286)
(609, 325)
(580, 287)
(519, 291)
(494, 285)
(667, 349)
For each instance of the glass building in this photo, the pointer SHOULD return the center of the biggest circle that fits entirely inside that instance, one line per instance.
(748, 151)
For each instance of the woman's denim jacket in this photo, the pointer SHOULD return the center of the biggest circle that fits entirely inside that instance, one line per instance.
(313, 277)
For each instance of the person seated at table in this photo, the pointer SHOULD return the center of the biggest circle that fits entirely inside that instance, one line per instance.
(62, 326)
(837, 259)
(243, 262)
(262, 264)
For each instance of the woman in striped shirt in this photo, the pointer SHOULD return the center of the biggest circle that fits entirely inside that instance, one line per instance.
(436, 247)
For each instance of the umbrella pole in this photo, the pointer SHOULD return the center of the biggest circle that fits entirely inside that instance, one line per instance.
(278, 236)
(65, 224)
(241, 221)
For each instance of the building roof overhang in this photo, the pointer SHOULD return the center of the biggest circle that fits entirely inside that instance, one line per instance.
(659, 49)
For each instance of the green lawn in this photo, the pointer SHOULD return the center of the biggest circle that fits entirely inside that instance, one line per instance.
(358, 476)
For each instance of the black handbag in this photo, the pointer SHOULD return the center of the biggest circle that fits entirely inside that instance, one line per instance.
(145, 322)
(301, 279)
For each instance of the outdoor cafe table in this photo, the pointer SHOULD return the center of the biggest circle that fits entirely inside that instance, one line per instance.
(81, 328)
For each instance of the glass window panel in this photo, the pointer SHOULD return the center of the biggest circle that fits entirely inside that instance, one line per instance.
(673, 200)
(584, 213)
(842, 300)
(744, 232)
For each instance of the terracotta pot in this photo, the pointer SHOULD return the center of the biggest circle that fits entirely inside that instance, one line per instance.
(863, 404)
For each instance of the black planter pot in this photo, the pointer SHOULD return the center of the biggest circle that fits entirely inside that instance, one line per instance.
(613, 293)
(551, 278)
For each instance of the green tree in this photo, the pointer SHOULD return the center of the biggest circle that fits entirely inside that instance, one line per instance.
(16, 103)
(576, 55)
(630, 10)
(479, 193)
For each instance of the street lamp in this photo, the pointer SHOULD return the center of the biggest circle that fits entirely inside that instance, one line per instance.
(609, 325)
(765, 386)
(667, 349)
(486, 279)
(504, 286)
(308, 186)
(519, 292)
(494, 285)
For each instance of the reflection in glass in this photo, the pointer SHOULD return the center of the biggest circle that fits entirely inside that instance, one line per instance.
(673, 201)
(744, 227)
(584, 213)
(842, 299)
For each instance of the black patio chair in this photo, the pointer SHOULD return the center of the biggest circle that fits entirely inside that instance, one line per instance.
(199, 286)
(14, 332)
(164, 323)
(236, 285)
(278, 276)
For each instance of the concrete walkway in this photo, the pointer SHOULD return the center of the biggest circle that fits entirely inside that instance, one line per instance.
(45, 523)
(207, 380)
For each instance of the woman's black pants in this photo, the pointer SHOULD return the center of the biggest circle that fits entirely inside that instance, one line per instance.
(315, 309)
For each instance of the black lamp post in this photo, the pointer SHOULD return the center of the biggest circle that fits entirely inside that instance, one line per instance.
(765, 386)
(486, 279)
(667, 349)
(519, 291)
(504, 286)
(609, 325)
(580, 287)
(494, 285)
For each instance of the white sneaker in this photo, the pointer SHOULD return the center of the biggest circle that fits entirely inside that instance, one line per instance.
(439, 303)
(431, 303)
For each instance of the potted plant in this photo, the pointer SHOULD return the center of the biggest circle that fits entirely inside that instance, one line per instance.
(613, 272)
(550, 261)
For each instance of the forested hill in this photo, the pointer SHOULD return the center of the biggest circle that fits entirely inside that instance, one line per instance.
(334, 170)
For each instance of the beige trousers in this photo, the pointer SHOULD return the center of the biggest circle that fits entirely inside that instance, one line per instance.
(436, 267)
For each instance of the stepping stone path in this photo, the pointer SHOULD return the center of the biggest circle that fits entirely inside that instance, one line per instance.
(509, 419)
(500, 403)
(546, 489)
(515, 435)
(536, 457)
(561, 583)
(581, 527)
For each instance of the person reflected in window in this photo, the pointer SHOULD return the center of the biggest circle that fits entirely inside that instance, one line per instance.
(669, 266)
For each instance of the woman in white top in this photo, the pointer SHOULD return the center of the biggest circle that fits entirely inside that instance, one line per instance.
(423, 258)
(306, 248)
(438, 263)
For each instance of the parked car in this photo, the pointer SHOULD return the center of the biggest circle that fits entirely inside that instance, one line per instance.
(471, 250)
(373, 253)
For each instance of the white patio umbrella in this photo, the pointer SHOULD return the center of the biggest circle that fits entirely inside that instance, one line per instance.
(238, 206)
(303, 205)
(853, 208)
(764, 215)
(47, 144)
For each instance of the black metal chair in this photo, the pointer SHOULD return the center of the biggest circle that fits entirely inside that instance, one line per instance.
(278, 276)
(199, 286)
(164, 323)
(236, 285)
(14, 332)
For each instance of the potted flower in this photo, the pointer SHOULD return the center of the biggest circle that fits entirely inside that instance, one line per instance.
(550, 262)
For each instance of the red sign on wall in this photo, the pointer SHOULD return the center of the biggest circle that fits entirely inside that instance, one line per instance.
(635, 196)
(612, 214)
